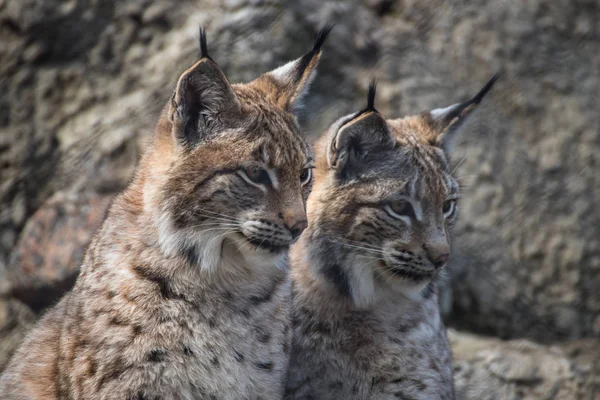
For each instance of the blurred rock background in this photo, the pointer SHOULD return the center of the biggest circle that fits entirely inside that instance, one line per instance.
(82, 81)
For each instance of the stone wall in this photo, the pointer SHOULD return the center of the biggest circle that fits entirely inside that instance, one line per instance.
(81, 83)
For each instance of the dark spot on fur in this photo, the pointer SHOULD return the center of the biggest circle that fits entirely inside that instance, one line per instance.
(113, 370)
(215, 361)
(138, 396)
(162, 282)
(212, 322)
(323, 328)
(267, 295)
(118, 320)
(82, 342)
(156, 356)
(429, 290)
(374, 382)
(187, 351)
(184, 325)
(336, 275)
(433, 365)
(190, 254)
(239, 357)
(404, 396)
(295, 319)
(396, 340)
(262, 335)
(198, 390)
(92, 366)
(137, 329)
(267, 366)
(244, 311)
(98, 312)
(404, 327)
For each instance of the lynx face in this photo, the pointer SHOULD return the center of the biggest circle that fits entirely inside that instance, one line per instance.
(242, 172)
(402, 204)
(384, 199)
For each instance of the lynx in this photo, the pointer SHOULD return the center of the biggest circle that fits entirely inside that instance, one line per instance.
(181, 294)
(366, 323)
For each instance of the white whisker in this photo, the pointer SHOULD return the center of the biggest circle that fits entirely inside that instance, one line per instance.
(458, 165)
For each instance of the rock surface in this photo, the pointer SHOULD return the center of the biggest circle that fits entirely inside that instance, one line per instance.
(51, 248)
(81, 83)
(491, 369)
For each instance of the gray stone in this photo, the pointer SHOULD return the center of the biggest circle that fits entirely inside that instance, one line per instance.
(492, 369)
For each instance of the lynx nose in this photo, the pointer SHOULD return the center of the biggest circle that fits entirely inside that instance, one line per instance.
(438, 253)
(297, 227)
(441, 261)
(296, 223)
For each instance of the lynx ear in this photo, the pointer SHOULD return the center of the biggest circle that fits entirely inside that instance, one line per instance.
(203, 102)
(288, 84)
(446, 121)
(356, 137)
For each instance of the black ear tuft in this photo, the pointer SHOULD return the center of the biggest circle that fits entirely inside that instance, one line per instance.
(288, 84)
(371, 96)
(321, 36)
(485, 89)
(203, 102)
(358, 137)
(446, 121)
(310, 56)
(467, 105)
(203, 45)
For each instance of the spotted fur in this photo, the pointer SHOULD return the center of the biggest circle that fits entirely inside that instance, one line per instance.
(182, 294)
(366, 323)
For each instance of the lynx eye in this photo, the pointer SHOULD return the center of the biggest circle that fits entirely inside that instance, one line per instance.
(400, 209)
(257, 175)
(306, 176)
(449, 207)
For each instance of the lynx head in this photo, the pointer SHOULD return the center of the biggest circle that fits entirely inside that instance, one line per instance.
(230, 168)
(384, 199)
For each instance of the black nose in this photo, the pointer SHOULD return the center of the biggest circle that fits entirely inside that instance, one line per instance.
(297, 229)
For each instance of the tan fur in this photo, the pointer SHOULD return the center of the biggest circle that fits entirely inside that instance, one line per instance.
(366, 323)
(182, 294)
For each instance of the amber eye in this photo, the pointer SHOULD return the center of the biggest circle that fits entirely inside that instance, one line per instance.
(400, 209)
(257, 175)
(449, 207)
(306, 176)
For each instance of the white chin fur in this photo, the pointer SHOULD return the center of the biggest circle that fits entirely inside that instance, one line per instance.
(363, 286)
(409, 288)
(206, 244)
(362, 282)
(211, 249)
(254, 255)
